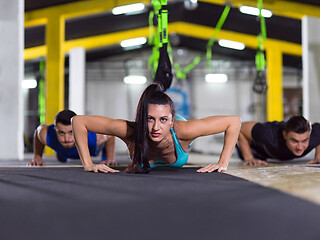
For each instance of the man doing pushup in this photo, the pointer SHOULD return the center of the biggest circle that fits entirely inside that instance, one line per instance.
(59, 137)
(278, 140)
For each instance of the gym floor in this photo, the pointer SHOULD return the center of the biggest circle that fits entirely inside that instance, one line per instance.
(61, 201)
(292, 177)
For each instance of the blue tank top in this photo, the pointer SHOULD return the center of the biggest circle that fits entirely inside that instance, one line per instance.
(182, 156)
(52, 142)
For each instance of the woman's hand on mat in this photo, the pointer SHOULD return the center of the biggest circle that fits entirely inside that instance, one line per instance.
(255, 162)
(100, 168)
(314, 161)
(36, 162)
(212, 167)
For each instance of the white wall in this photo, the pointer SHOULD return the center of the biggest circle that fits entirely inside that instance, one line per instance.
(311, 70)
(77, 64)
(11, 75)
(231, 98)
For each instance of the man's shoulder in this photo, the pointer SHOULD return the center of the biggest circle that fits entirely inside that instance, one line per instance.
(51, 135)
(42, 132)
(316, 125)
(51, 130)
(315, 130)
(267, 130)
(267, 126)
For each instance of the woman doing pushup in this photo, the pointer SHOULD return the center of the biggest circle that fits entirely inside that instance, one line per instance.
(157, 137)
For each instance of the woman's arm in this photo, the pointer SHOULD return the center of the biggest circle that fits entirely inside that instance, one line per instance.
(190, 130)
(103, 125)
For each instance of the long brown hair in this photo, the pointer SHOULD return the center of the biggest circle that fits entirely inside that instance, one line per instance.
(153, 94)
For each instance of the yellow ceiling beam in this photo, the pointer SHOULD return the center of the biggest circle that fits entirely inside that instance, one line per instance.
(281, 8)
(187, 29)
(106, 39)
(203, 32)
(35, 52)
(35, 22)
(74, 10)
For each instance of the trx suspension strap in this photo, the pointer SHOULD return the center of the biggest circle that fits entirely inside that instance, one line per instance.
(260, 84)
(164, 71)
(182, 74)
(215, 33)
(154, 41)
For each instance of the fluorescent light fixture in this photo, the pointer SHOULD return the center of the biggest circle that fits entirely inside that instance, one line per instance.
(216, 78)
(133, 42)
(29, 83)
(135, 79)
(231, 44)
(128, 9)
(255, 11)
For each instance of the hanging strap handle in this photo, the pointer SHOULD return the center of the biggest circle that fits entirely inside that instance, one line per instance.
(260, 84)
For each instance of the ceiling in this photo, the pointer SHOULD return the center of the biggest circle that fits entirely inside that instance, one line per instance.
(206, 14)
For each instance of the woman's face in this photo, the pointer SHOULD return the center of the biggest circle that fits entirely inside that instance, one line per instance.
(159, 121)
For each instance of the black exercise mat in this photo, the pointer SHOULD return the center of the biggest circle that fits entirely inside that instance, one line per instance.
(68, 203)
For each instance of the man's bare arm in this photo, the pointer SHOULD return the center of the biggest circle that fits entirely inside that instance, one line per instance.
(244, 139)
(39, 143)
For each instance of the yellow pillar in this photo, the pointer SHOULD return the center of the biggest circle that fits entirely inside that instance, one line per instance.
(55, 36)
(274, 82)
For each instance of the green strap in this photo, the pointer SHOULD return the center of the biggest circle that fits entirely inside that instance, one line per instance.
(157, 10)
(259, 85)
(151, 29)
(262, 21)
(215, 33)
(157, 38)
(41, 97)
(154, 41)
(161, 35)
(182, 74)
(260, 61)
(164, 21)
(260, 58)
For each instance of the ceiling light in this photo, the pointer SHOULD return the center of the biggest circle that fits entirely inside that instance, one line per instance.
(231, 44)
(190, 4)
(128, 9)
(216, 78)
(29, 83)
(255, 11)
(135, 79)
(133, 42)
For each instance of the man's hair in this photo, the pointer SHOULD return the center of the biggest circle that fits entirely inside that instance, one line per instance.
(297, 124)
(64, 117)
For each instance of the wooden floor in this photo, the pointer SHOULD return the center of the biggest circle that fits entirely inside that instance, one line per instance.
(293, 177)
